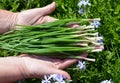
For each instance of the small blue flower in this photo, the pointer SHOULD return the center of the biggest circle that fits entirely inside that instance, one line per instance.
(54, 77)
(19, 81)
(81, 65)
(80, 11)
(95, 23)
(81, 3)
(84, 3)
(87, 3)
(46, 80)
(100, 41)
(58, 78)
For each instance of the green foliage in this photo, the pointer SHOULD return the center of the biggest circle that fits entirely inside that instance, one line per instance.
(107, 65)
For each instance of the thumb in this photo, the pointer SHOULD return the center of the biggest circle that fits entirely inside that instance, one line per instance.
(48, 9)
(40, 11)
(61, 72)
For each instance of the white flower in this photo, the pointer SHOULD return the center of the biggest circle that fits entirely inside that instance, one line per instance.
(58, 78)
(81, 3)
(80, 11)
(46, 79)
(87, 3)
(107, 81)
(81, 65)
(95, 23)
(84, 2)
(19, 81)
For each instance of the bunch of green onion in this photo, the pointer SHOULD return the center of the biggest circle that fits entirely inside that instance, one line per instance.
(54, 38)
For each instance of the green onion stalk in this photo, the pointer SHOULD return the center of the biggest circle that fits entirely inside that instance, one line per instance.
(55, 39)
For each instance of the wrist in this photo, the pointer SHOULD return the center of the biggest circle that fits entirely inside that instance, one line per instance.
(12, 69)
(7, 20)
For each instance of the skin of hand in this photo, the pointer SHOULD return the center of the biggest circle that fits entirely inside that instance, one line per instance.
(29, 66)
(8, 20)
(32, 66)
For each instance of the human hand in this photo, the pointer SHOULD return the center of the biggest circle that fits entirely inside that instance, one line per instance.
(32, 66)
(38, 66)
(36, 16)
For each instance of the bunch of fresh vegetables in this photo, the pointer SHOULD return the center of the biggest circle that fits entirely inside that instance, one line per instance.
(54, 38)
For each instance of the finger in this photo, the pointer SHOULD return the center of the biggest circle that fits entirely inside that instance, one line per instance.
(61, 72)
(67, 63)
(38, 12)
(23, 55)
(42, 11)
(51, 71)
(48, 9)
(50, 19)
(84, 54)
(73, 26)
(45, 19)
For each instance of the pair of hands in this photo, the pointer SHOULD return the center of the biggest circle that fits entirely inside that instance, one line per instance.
(35, 66)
